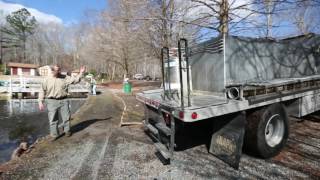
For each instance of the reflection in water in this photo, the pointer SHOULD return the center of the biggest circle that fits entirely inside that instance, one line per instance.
(20, 120)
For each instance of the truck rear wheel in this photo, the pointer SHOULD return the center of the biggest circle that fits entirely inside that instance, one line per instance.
(267, 131)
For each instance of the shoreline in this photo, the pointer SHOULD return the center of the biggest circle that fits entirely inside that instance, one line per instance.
(42, 145)
(41, 138)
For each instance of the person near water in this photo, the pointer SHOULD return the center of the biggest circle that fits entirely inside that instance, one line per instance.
(53, 93)
(93, 84)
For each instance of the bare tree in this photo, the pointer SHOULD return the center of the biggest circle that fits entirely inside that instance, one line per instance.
(270, 7)
(1, 35)
(218, 14)
(306, 16)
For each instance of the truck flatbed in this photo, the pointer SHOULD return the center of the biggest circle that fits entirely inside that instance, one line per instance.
(253, 87)
(197, 100)
(255, 94)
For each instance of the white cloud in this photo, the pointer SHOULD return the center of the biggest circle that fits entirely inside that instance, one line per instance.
(41, 17)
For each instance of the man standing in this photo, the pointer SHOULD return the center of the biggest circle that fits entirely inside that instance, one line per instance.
(55, 89)
(93, 85)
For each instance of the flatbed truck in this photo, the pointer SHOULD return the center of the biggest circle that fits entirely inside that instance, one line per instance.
(251, 85)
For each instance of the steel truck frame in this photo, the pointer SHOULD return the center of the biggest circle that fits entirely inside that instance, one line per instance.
(253, 85)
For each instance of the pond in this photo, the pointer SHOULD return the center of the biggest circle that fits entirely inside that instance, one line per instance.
(21, 120)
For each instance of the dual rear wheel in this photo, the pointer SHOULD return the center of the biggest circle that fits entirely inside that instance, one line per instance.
(267, 131)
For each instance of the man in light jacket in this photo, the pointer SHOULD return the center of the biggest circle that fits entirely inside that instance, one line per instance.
(54, 89)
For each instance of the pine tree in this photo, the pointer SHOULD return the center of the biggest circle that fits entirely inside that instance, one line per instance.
(20, 26)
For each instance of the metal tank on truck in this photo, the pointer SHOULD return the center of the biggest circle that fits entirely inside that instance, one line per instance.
(172, 73)
(247, 86)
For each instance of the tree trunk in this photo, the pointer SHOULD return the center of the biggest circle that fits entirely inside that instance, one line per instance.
(1, 51)
(164, 24)
(113, 71)
(24, 51)
(15, 54)
(145, 65)
(24, 41)
(224, 17)
(269, 6)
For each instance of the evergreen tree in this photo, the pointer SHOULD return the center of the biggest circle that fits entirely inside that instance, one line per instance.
(20, 26)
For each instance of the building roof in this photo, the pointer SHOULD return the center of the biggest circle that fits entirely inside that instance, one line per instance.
(22, 65)
(76, 71)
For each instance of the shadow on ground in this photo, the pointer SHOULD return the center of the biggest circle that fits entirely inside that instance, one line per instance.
(84, 124)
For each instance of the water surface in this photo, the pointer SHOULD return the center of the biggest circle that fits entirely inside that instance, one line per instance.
(21, 120)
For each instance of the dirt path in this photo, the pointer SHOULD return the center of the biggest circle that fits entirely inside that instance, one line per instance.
(100, 149)
(73, 157)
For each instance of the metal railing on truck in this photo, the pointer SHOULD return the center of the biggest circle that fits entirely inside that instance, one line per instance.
(164, 112)
(166, 76)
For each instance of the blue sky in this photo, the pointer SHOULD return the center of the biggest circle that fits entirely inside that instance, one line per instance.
(69, 11)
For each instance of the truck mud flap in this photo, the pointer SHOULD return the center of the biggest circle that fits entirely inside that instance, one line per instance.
(226, 143)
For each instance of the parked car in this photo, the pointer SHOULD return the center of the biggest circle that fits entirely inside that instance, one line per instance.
(138, 76)
(156, 79)
(148, 78)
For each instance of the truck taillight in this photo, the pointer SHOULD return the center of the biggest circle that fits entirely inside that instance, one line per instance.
(181, 115)
(194, 115)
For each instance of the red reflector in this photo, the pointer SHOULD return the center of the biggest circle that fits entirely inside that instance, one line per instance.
(181, 115)
(194, 115)
(167, 118)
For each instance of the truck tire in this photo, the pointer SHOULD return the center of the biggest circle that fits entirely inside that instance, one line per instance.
(267, 131)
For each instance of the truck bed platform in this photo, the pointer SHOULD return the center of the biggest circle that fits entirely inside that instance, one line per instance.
(197, 100)
(254, 94)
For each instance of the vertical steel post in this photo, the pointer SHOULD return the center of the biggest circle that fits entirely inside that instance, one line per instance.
(224, 64)
(180, 73)
(146, 113)
(188, 75)
(162, 69)
(168, 72)
(172, 137)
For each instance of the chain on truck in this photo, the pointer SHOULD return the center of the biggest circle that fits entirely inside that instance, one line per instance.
(250, 85)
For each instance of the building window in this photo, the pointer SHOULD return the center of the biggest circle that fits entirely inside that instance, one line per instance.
(25, 71)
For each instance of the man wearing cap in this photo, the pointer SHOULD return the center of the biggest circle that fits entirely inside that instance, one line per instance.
(54, 89)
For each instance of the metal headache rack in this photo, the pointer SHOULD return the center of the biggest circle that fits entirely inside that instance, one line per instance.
(164, 133)
(185, 43)
(183, 66)
(165, 54)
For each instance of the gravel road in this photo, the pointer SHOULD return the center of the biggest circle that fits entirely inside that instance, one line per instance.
(100, 149)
